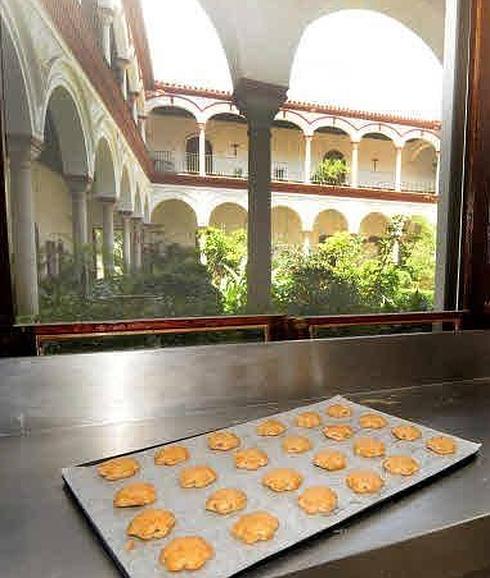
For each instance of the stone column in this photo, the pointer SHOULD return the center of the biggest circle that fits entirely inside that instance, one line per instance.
(127, 248)
(202, 149)
(354, 169)
(307, 241)
(22, 151)
(79, 186)
(142, 126)
(438, 172)
(259, 103)
(122, 67)
(137, 245)
(106, 18)
(398, 169)
(108, 236)
(308, 141)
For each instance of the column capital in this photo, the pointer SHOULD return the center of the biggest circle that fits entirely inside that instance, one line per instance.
(355, 143)
(308, 137)
(106, 199)
(78, 183)
(258, 101)
(23, 148)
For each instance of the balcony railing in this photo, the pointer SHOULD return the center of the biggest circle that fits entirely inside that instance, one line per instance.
(166, 162)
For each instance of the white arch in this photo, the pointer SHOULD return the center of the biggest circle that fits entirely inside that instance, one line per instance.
(424, 135)
(381, 128)
(335, 122)
(20, 76)
(296, 119)
(126, 190)
(75, 153)
(106, 183)
(279, 204)
(220, 108)
(332, 211)
(176, 101)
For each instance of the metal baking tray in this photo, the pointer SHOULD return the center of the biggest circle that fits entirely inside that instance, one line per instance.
(95, 495)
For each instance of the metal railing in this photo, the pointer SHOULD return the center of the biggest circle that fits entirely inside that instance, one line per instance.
(166, 162)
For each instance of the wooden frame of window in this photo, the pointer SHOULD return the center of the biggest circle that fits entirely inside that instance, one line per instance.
(470, 276)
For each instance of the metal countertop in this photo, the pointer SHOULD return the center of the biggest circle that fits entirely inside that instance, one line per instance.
(440, 529)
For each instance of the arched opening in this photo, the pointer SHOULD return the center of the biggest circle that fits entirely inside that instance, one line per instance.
(377, 161)
(104, 177)
(331, 147)
(420, 166)
(178, 222)
(229, 217)
(373, 227)
(192, 155)
(329, 67)
(228, 132)
(286, 227)
(186, 30)
(327, 224)
(167, 130)
(126, 196)
(288, 150)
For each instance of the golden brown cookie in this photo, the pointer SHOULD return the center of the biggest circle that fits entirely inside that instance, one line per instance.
(296, 445)
(308, 419)
(271, 428)
(226, 501)
(339, 432)
(118, 469)
(401, 465)
(369, 448)
(251, 459)
(186, 553)
(197, 477)
(223, 441)
(137, 494)
(441, 445)
(338, 411)
(330, 460)
(372, 421)
(171, 456)
(407, 433)
(364, 482)
(255, 527)
(318, 500)
(282, 480)
(151, 524)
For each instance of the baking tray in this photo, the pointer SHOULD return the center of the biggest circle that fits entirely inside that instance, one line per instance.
(95, 495)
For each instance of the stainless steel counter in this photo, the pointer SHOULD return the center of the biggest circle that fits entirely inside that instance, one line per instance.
(440, 530)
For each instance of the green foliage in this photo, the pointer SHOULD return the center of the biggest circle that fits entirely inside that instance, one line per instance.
(331, 171)
(344, 274)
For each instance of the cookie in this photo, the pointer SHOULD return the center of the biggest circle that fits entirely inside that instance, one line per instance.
(223, 441)
(271, 428)
(118, 469)
(338, 433)
(250, 459)
(171, 456)
(372, 421)
(255, 527)
(407, 433)
(186, 553)
(369, 448)
(226, 501)
(401, 465)
(338, 411)
(151, 524)
(441, 445)
(137, 494)
(318, 500)
(282, 480)
(364, 482)
(197, 477)
(308, 419)
(330, 460)
(296, 445)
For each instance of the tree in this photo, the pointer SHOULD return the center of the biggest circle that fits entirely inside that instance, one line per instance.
(331, 171)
